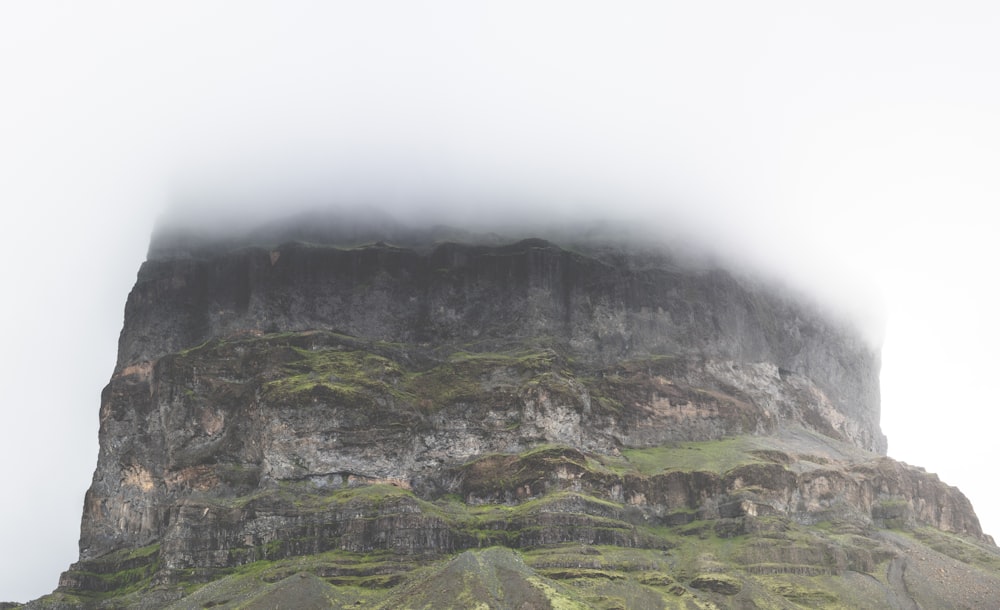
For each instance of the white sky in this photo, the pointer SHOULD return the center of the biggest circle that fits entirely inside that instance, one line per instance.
(852, 146)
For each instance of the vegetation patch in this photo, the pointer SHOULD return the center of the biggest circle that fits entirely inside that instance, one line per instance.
(522, 475)
(484, 377)
(341, 370)
(717, 583)
(349, 376)
(118, 573)
(804, 595)
(959, 548)
(718, 456)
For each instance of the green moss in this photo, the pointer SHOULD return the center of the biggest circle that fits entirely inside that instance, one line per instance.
(211, 343)
(358, 579)
(369, 493)
(129, 554)
(444, 384)
(346, 371)
(607, 387)
(119, 573)
(471, 376)
(559, 600)
(343, 375)
(718, 456)
(957, 547)
(697, 567)
(717, 582)
(525, 359)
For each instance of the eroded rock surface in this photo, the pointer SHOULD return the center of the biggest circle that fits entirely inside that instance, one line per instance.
(341, 413)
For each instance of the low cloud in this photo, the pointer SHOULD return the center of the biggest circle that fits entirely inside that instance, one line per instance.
(822, 145)
(505, 191)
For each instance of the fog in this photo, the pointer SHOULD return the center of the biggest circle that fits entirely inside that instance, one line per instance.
(537, 196)
(848, 149)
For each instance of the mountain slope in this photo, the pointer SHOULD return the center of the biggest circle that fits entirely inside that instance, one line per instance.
(505, 423)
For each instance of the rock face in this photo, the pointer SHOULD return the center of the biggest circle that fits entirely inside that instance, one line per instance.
(596, 310)
(283, 406)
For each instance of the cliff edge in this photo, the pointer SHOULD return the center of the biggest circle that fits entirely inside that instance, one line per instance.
(320, 408)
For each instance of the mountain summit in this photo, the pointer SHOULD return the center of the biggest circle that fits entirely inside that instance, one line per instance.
(338, 411)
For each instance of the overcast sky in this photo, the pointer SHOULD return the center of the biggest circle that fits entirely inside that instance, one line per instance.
(851, 147)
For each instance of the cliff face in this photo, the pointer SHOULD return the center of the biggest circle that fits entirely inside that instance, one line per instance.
(598, 311)
(281, 401)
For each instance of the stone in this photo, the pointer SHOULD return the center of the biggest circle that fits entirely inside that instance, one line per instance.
(295, 415)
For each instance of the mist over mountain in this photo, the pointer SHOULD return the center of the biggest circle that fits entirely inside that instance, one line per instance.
(845, 151)
(227, 207)
(340, 409)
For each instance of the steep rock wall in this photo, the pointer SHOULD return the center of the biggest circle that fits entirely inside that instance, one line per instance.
(283, 399)
(490, 297)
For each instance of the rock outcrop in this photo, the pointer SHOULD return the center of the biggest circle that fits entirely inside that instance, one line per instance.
(291, 417)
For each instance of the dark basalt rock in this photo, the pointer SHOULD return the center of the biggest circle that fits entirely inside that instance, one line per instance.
(296, 412)
(497, 297)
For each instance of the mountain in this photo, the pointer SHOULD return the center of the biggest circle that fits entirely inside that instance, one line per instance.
(339, 410)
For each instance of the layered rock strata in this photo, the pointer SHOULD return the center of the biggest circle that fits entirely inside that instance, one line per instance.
(283, 399)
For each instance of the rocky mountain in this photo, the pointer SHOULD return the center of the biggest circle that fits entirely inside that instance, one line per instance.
(343, 412)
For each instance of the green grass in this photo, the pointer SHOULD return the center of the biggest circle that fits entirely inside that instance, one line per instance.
(121, 572)
(471, 376)
(956, 547)
(779, 567)
(718, 456)
(341, 374)
(357, 578)
(787, 565)
(338, 369)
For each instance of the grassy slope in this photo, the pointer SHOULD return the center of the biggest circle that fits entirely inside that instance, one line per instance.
(694, 565)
